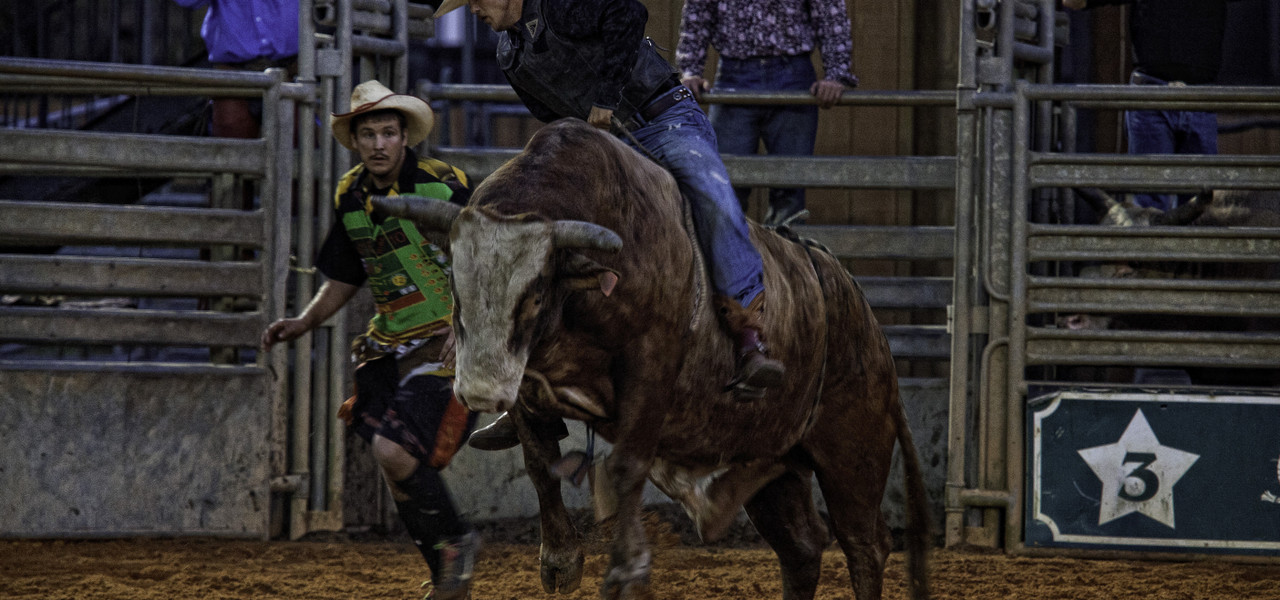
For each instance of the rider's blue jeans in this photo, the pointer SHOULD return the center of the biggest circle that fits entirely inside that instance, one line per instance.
(682, 140)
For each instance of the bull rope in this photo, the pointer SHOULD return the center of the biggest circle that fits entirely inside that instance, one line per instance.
(699, 274)
(784, 230)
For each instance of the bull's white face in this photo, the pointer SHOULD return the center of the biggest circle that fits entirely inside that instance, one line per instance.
(500, 273)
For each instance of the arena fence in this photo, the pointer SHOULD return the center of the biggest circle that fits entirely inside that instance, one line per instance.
(216, 272)
(1017, 237)
(148, 356)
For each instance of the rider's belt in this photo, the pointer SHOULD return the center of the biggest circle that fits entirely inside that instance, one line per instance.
(1140, 78)
(663, 101)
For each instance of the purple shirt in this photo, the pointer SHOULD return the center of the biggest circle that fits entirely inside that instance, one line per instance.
(237, 31)
(764, 28)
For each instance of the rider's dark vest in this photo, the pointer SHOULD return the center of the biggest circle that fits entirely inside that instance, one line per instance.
(559, 75)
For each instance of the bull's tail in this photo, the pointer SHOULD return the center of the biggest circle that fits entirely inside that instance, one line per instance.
(918, 531)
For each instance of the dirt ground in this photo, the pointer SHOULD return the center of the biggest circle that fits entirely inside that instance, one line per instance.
(338, 566)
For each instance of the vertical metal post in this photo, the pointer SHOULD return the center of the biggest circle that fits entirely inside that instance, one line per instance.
(1044, 109)
(992, 406)
(309, 207)
(1068, 132)
(400, 31)
(1016, 391)
(963, 270)
(306, 371)
(334, 160)
(115, 32)
(342, 93)
(145, 48)
(1005, 40)
(470, 130)
(274, 192)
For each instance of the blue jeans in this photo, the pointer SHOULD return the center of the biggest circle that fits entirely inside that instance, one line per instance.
(787, 130)
(1170, 132)
(683, 142)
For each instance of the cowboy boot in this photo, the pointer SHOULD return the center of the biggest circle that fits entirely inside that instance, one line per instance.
(755, 370)
(501, 433)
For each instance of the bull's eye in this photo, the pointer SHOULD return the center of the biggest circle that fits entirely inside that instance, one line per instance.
(458, 328)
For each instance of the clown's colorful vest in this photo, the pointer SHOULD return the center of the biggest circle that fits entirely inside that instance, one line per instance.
(408, 275)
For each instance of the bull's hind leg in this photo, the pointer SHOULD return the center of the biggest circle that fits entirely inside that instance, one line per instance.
(852, 467)
(784, 514)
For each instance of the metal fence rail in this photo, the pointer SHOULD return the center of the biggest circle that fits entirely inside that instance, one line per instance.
(1029, 278)
(78, 153)
(154, 375)
(1041, 242)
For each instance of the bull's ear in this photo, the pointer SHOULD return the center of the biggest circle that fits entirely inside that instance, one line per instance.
(578, 272)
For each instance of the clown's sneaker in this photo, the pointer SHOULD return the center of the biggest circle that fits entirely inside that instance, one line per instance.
(457, 561)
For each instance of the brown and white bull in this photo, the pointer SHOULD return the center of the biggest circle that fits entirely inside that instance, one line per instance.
(574, 273)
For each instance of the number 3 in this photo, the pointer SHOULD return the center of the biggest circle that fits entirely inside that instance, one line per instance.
(1150, 481)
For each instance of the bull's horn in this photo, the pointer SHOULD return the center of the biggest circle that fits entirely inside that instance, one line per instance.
(581, 234)
(430, 213)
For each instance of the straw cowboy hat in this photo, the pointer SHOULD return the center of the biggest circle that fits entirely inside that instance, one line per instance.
(447, 6)
(370, 96)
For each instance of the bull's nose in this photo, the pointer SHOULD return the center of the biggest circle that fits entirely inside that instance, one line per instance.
(493, 406)
(485, 398)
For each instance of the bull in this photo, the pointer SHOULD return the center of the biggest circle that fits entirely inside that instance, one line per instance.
(575, 273)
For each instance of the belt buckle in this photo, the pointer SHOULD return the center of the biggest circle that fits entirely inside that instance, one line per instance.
(682, 92)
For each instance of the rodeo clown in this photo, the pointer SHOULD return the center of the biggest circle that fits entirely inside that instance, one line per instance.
(404, 405)
(589, 59)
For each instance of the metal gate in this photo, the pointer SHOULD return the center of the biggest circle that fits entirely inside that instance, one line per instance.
(135, 403)
(1020, 275)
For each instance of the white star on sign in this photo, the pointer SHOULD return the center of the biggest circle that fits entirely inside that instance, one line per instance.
(1137, 473)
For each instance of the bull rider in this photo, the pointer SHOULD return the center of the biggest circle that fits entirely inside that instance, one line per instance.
(589, 59)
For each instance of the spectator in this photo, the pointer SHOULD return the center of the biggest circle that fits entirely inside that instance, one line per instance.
(404, 405)
(249, 35)
(588, 59)
(1175, 43)
(766, 48)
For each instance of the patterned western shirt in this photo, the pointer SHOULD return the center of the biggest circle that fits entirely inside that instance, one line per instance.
(766, 28)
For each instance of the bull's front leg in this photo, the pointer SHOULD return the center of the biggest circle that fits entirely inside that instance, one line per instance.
(560, 555)
(628, 467)
(629, 558)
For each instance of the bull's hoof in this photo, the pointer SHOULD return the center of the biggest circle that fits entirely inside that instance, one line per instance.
(629, 590)
(561, 570)
(628, 581)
